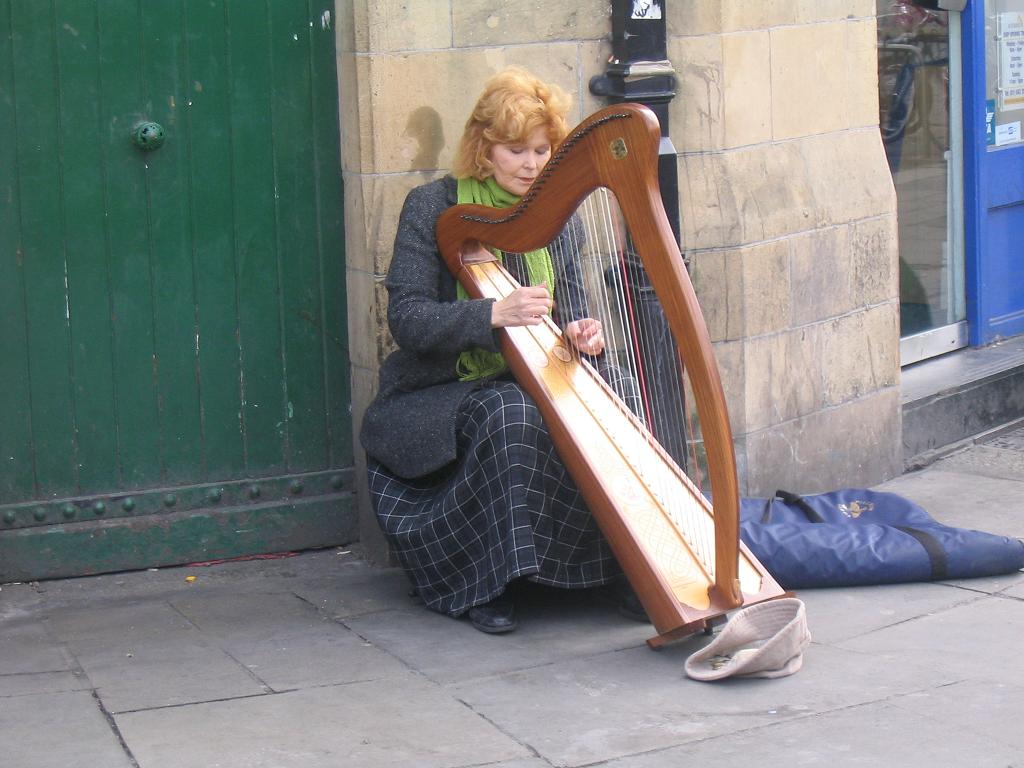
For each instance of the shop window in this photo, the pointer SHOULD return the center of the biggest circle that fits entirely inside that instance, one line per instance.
(920, 119)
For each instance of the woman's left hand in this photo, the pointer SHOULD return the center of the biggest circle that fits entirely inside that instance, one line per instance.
(586, 335)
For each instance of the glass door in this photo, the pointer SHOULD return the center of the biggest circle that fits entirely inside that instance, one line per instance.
(920, 118)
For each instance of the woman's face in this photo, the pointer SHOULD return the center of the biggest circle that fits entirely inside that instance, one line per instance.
(517, 165)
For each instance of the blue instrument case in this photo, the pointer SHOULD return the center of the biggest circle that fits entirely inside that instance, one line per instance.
(856, 536)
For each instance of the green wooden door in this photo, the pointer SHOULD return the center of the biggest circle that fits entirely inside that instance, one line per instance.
(172, 320)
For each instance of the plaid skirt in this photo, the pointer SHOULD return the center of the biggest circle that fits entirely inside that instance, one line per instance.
(506, 509)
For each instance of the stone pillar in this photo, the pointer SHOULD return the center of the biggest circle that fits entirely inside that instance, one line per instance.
(789, 220)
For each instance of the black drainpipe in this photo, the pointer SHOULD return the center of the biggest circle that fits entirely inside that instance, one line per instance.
(639, 71)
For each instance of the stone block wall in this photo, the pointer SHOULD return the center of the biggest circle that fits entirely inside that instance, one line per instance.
(789, 221)
(787, 207)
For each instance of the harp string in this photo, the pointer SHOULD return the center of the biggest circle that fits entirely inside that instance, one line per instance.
(598, 266)
(633, 304)
(664, 407)
(614, 238)
(670, 421)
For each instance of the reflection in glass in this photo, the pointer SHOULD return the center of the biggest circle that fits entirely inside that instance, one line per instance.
(914, 75)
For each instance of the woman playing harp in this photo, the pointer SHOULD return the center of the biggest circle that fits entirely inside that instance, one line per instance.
(464, 480)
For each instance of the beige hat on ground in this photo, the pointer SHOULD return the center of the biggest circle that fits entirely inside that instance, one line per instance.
(763, 640)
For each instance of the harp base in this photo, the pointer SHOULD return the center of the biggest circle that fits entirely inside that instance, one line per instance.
(707, 626)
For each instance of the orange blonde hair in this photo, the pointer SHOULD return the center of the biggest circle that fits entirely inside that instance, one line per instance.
(513, 104)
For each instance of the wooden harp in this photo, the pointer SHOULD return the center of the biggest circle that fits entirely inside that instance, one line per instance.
(682, 554)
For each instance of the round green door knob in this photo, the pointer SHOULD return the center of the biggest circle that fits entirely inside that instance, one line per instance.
(148, 136)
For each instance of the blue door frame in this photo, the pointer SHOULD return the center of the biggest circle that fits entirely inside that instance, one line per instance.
(994, 203)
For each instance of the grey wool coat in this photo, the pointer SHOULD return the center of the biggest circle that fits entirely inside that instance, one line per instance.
(410, 427)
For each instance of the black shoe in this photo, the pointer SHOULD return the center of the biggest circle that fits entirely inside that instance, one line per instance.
(494, 617)
(627, 603)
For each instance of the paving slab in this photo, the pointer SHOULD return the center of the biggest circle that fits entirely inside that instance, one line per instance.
(354, 590)
(18, 600)
(837, 614)
(994, 459)
(58, 730)
(965, 500)
(246, 574)
(621, 703)
(448, 650)
(988, 709)
(291, 645)
(40, 682)
(26, 646)
(142, 654)
(408, 722)
(990, 585)
(870, 735)
(979, 640)
(1015, 590)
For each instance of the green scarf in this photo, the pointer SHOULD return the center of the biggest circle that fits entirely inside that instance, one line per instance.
(479, 363)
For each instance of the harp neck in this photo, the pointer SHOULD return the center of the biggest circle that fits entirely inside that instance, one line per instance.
(615, 148)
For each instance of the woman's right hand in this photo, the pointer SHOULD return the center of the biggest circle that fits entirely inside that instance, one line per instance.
(524, 306)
